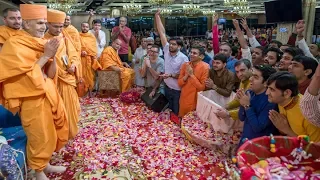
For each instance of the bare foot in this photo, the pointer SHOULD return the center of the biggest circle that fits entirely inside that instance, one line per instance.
(41, 176)
(54, 169)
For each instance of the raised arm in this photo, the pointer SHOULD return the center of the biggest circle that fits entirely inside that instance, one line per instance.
(160, 28)
(252, 40)
(242, 40)
(90, 18)
(310, 104)
(300, 26)
(215, 34)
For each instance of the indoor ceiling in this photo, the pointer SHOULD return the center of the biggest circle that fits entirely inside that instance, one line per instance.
(106, 6)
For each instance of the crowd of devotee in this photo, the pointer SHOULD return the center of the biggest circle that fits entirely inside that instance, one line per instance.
(45, 62)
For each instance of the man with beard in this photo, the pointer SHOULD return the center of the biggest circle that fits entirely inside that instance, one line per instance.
(68, 68)
(28, 70)
(221, 79)
(89, 51)
(12, 24)
(73, 33)
(243, 72)
(287, 57)
(254, 109)
(172, 65)
(273, 57)
(283, 90)
(123, 33)
(110, 60)
(192, 79)
(209, 49)
(303, 68)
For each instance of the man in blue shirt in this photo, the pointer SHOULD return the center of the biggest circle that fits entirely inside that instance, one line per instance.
(255, 107)
(226, 49)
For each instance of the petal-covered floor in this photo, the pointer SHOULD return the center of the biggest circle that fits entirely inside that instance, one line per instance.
(129, 141)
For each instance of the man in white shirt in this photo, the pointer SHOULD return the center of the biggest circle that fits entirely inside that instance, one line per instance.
(138, 55)
(172, 64)
(98, 33)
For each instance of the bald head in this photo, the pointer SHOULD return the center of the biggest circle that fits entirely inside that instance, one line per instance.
(85, 27)
(122, 21)
(116, 44)
(67, 21)
(12, 18)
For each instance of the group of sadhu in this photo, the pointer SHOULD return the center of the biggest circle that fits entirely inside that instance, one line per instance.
(41, 65)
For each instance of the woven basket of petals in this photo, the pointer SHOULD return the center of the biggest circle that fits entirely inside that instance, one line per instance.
(202, 133)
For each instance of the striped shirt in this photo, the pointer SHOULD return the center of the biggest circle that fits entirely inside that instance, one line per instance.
(310, 108)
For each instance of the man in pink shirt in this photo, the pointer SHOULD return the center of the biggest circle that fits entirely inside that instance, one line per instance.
(123, 33)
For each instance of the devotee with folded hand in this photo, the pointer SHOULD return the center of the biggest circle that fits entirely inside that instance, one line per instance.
(89, 52)
(152, 68)
(110, 60)
(28, 66)
(192, 79)
(303, 68)
(123, 33)
(68, 68)
(243, 72)
(220, 78)
(283, 90)
(138, 55)
(255, 107)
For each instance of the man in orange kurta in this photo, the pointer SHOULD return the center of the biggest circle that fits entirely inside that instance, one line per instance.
(68, 69)
(192, 79)
(12, 24)
(110, 59)
(27, 74)
(89, 50)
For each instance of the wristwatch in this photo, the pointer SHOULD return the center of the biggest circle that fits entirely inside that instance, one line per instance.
(247, 106)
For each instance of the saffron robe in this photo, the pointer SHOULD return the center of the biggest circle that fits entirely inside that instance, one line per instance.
(108, 58)
(89, 62)
(66, 82)
(74, 35)
(191, 87)
(36, 98)
(6, 33)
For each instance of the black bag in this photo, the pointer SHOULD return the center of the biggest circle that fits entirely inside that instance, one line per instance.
(157, 103)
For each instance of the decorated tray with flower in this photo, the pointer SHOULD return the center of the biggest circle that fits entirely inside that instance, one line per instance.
(279, 157)
(203, 134)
